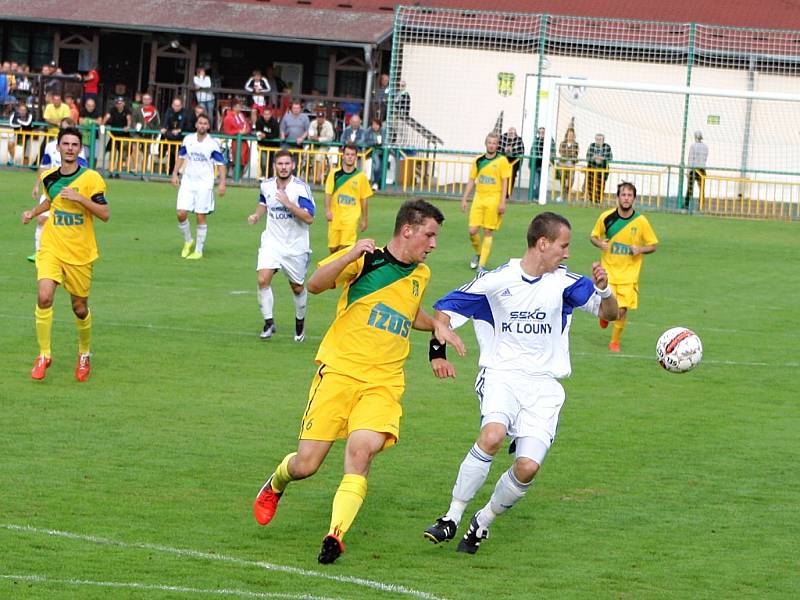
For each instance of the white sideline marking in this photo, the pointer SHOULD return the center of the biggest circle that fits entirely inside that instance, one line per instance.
(740, 363)
(163, 588)
(376, 585)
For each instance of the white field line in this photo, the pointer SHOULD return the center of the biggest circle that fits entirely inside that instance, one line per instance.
(160, 588)
(368, 583)
(254, 332)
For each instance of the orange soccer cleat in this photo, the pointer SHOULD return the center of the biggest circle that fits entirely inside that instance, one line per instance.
(614, 346)
(40, 366)
(266, 503)
(83, 368)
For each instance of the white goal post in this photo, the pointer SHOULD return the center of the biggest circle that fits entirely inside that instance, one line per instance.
(652, 125)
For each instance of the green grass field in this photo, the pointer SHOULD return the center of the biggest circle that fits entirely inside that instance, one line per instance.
(139, 483)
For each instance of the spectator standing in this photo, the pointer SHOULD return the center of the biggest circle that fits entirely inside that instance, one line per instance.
(321, 132)
(512, 146)
(267, 131)
(21, 120)
(259, 88)
(294, 126)
(203, 93)
(120, 120)
(174, 126)
(74, 109)
(276, 86)
(402, 103)
(539, 145)
(235, 123)
(374, 138)
(568, 152)
(597, 158)
(91, 84)
(382, 96)
(698, 156)
(55, 111)
(354, 133)
(145, 118)
(24, 84)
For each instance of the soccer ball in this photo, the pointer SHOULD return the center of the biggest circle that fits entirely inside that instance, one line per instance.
(679, 350)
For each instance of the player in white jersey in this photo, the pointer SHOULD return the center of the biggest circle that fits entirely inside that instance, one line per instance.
(289, 205)
(51, 158)
(201, 154)
(522, 313)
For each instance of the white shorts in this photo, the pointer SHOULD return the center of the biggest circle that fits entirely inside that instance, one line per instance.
(195, 199)
(46, 213)
(528, 407)
(295, 266)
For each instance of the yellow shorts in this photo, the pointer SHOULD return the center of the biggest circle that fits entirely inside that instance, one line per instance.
(483, 213)
(627, 294)
(76, 279)
(338, 238)
(338, 405)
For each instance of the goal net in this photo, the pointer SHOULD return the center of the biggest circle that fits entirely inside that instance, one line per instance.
(650, 129)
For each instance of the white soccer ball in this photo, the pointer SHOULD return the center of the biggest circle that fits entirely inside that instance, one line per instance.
(679, 350)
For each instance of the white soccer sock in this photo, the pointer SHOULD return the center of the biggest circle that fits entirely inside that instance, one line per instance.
(186, 230)
(471, 476)
(265, 301)
(37, 237)
(202, 231)
(507, 492)
(300, 304)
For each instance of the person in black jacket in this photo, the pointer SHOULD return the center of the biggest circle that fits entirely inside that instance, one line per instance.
(20, 120)
(176, 124)
(267, 130)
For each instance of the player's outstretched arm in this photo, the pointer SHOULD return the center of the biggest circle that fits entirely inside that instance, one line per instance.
(608, 302)
(440, 328)
(324, 278)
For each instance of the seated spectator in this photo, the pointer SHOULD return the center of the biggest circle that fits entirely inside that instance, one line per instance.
(195, 114)
(267, 130)
(56, 110)
(147, 119)
(258, 87)
(354, 133)
(21, 120)
(312, 104)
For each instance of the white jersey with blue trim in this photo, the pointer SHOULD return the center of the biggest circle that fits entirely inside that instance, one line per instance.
(521, 322)
(283, 230)
(200, 156)
(52, 156)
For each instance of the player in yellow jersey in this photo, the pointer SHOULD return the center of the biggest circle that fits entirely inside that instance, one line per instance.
(355, 394)
(346, 193)
(489, 177)
(75, 195)
(624, 236)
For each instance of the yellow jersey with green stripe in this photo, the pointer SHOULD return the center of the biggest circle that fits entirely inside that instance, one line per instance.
(622, 233)
(347, 190)
(488, 174)
(69, 231)
(369, 338)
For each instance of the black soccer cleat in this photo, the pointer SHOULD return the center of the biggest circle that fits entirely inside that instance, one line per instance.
(332, 548)
(443, 530)
(473, 538)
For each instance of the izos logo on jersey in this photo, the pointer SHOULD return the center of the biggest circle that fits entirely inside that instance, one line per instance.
(388, 319)
(61, 218)
(527, 322)
(486, 179)
(345, 200)
(617, 248)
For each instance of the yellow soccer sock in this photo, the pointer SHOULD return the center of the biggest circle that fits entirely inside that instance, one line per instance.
(475, 240)
(281, 477)
(84, 332)
(616, 334)
(486, 249)
(346, 503)
(44, 327)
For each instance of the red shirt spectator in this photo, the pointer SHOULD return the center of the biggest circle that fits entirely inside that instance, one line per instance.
(91, 84)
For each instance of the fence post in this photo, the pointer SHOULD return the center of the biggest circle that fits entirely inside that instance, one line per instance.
(690, 62)
(92, 144)
(543, 20)
(237, 164)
